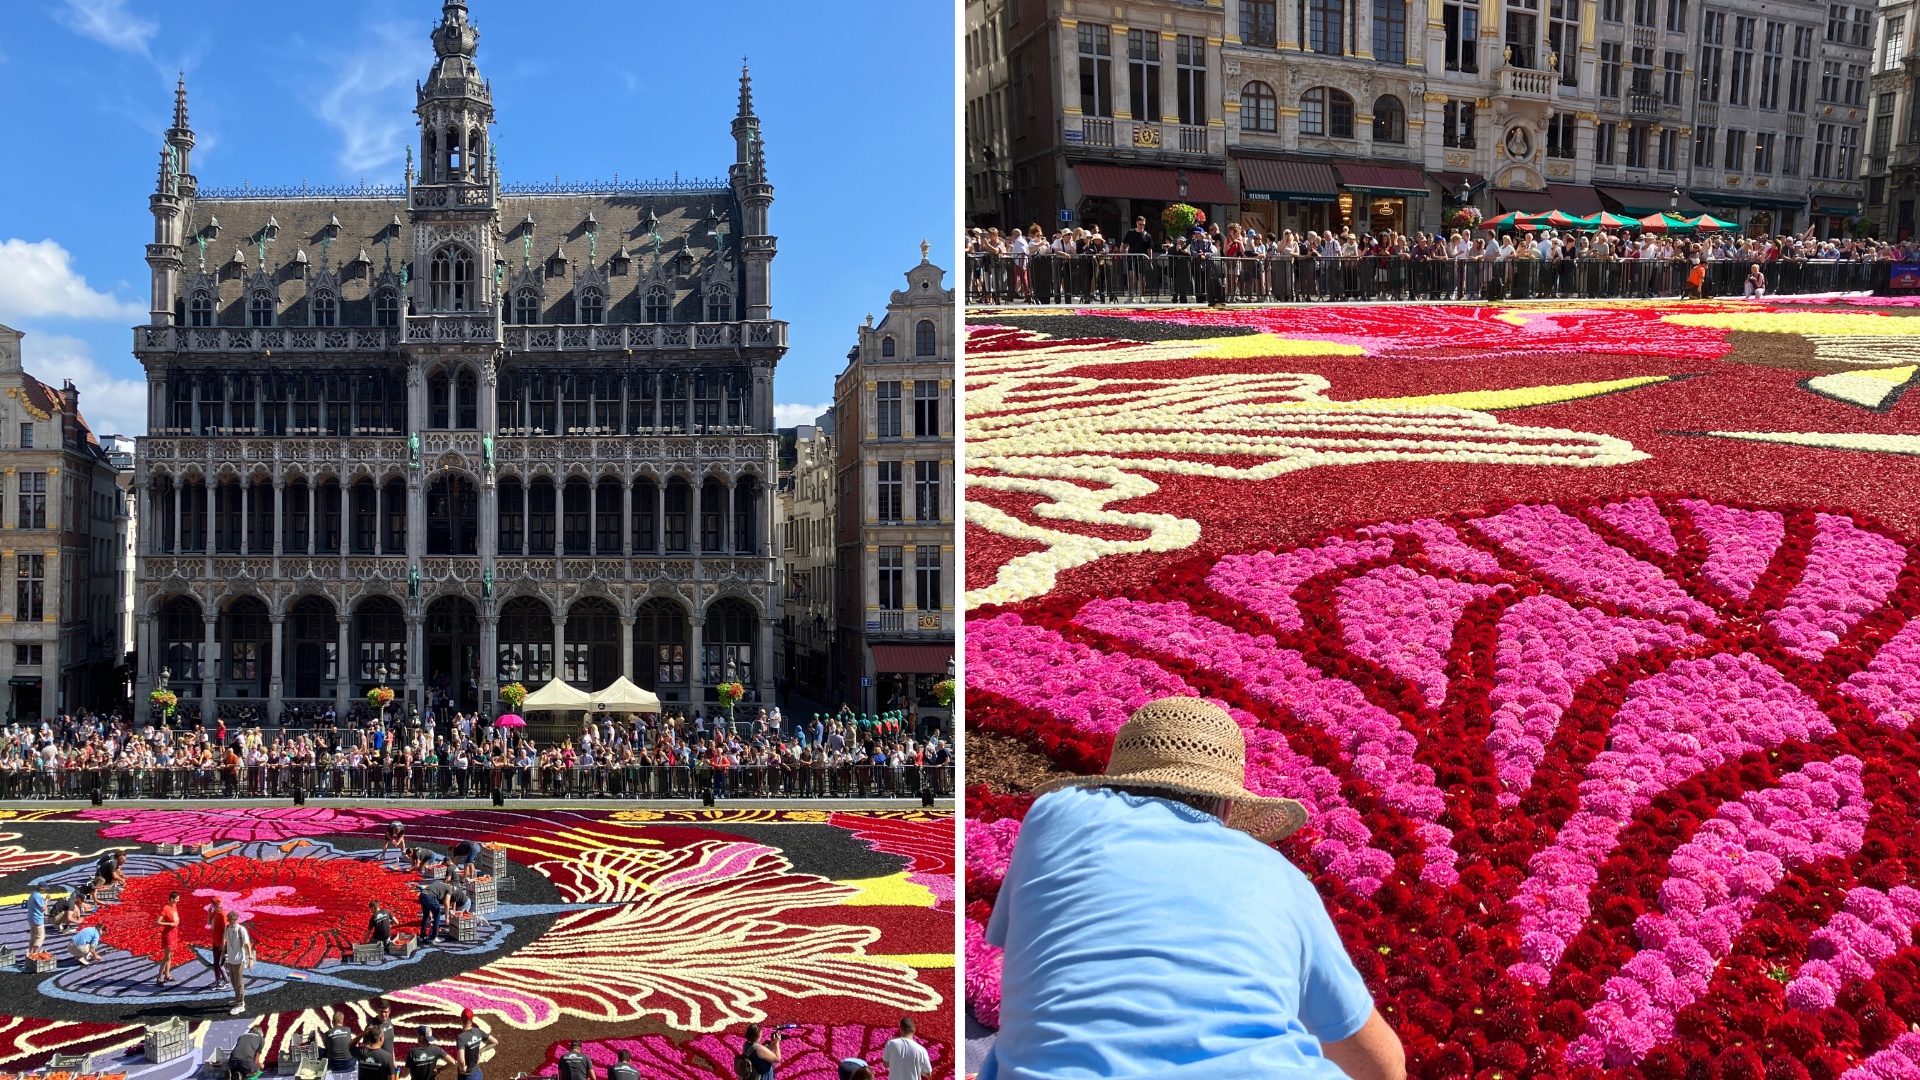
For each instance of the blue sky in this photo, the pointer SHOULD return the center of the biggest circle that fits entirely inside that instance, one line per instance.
(855, 99)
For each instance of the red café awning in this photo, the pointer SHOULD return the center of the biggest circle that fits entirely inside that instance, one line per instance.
(1381, 180)
(1287, 181)
(1577, 200)
(1159, 185)
(1526, 202)
(912, 659)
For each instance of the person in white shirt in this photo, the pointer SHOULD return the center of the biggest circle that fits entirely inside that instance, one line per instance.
(906, 1059)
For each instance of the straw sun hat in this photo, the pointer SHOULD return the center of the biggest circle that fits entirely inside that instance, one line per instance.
(1193, 747)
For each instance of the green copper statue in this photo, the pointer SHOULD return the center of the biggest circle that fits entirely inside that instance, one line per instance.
(486, 449)
(413, 582)
(486, 585)
(413, 448)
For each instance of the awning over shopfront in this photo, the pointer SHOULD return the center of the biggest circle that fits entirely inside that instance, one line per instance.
(1454, 183)
(1380, 180)
(1762, 203)
(912, 659)
(1575, 199)
(1645, 202)
(1287, 181)
(1157, 185)
(1526, 202)
(1720, 198)
(1827, 204)
(24, 680)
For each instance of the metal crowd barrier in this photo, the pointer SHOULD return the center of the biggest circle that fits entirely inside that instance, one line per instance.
(1187, 279)
(479, 781)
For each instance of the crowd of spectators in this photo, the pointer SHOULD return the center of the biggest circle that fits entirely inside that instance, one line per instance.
(1236, 261)
(464, 754)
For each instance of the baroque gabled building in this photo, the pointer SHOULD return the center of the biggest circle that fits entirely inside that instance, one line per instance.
(458, 433)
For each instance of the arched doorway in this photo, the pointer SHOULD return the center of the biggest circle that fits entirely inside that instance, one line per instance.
(727, 647)
(526, 643)
(314, 648)
(244, 645)
(593, 644)
(660, 648)
(380, 644)
(453, 653)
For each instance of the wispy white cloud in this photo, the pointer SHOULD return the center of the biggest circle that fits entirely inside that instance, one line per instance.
(109, 23)
(112, 405)
(370, 103)
(39, 280)
(790, 415)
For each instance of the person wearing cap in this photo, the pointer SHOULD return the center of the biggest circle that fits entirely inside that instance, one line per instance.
(472, 1042)
(425, 1059)
(1151, 931)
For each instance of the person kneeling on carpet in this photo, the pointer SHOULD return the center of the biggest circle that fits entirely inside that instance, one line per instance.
(1150, 931)
(85, 945)
(243, 1063)
(379, 923)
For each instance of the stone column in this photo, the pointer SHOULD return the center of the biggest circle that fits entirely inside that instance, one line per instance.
(246, 517)
(210, 670)
(313, 515)
(626, 647)
(490, 660)
(559, 646)
(626, 517)
(660, 517)
(275, 689)
(179, 524)
(726, 516)
(763, 664)
(343, 668)
(279, 525)
(593, 515)
(416, 658)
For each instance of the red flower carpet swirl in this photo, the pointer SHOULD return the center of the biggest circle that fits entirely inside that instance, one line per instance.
(1596, 787)
(300, 911)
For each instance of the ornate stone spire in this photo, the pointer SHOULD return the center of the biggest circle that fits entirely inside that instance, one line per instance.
(455, 36)
(746, 90)
(180, 104)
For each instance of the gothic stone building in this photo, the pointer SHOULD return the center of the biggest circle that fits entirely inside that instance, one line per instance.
(457, 434)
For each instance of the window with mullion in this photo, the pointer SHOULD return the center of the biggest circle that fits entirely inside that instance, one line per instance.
(1390, 31)
(1190, 78)
(1096, 70)
(1143, 73)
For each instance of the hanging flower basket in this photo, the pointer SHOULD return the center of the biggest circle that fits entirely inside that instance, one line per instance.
(1467, 217)
(380, 696)
(164, 700)
(730, 693)
(943, 693)
(1180, 219)
(513, 695)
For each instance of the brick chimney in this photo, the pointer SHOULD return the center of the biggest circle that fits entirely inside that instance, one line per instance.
(69, 412)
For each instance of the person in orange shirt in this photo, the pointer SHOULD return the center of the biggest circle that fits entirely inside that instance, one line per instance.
(217, 922)
(169, 924)
(1697, 281)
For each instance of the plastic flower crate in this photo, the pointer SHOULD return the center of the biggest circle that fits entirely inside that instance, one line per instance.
(40, 963)
(369, 953)
(169, 849)
(8, 959)
(492, 860)
(107, 894)
(215, 1064)
(296, 1058)
(68, 1062)
(486, 896)
(166, 1041)
(466, 926)
(403, 945)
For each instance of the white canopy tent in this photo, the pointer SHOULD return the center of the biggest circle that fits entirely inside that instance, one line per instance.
(556, 696)
(623, 697)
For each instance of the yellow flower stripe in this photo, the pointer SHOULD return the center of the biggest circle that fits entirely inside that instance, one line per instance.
(1524, 396)
(1802, 322)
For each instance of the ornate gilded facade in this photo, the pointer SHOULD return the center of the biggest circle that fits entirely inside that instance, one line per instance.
(462, 432)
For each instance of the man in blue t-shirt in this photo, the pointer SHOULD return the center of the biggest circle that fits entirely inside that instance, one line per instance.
(1151, 932)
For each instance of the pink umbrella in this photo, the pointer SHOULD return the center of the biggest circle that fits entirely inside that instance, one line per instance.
(510, 720)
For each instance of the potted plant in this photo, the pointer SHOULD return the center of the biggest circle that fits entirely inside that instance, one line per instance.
(164, 700)
(380, 697)
(1466, 217)
(943, 693)
(1180, 218)
(513, 695)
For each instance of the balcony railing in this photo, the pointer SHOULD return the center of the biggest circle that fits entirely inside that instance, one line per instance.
(1193, 140)
(452, 328)
(1523, 82)
(1643, 104)
(734, 446)
(256, 339)
(1096, 132)
(623, 336)
(911, 622)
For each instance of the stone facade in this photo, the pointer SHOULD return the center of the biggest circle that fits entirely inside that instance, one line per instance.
(894, 489)
(65, 523)
(1893, 148)
(459, 433)
(805, 521)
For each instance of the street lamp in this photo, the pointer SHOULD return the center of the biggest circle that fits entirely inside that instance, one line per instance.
(731, 669)
(1181, 180)
(1673, 199)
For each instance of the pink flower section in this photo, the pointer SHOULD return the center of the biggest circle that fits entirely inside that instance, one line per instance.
(1641, 519)
(246, 824)
(1547, 648)
(1740, 543)
(813, 1052)
(1265, 581)
(1440, 543)
(1565, 549)
(1404, 622)
(1890, 686)
(1850, 571)
(517, 1007)
(1096, 692)
(983, 975)
(990, 847)
(1370, 738)
(1869, 927)
(1696, 715)
(1899, 1061)
(1715, 879)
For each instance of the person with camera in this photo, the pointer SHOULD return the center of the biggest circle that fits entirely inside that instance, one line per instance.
(757, 1059)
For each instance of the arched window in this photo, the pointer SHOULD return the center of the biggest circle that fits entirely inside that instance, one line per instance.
(886, 346)
(439, 400)
(659, 305)
(923, 338)
(451, 279)
(1326, 111)
(1389, 120)
(453, 517)
(592, 308)
(659, 644)
(183, 643)
(456, 163)
(260, 308)
(1258, 107)
(386, 308)
(540, 518)
(200, 309)
(326, 310)
(719, 305)
(477, 146)
(467, 401)
(526, 305)
(727, 646)
(526, 641)
(381, 637)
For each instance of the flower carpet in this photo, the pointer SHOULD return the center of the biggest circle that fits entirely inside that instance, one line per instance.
(1585, 632)
(660, 932)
